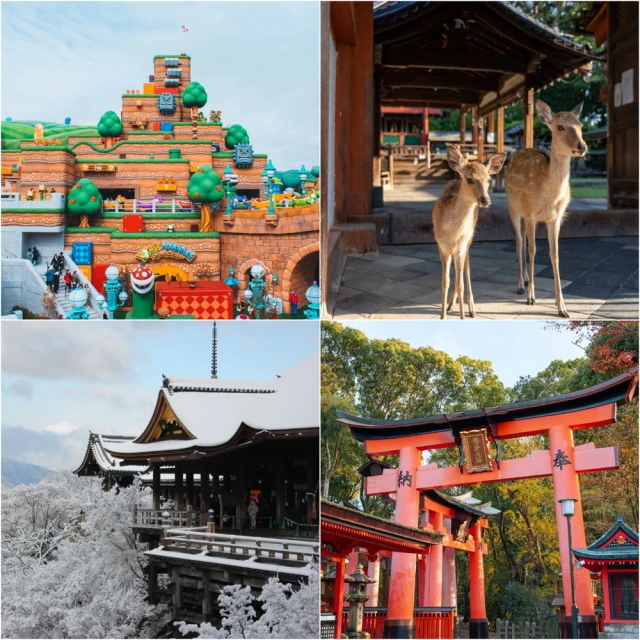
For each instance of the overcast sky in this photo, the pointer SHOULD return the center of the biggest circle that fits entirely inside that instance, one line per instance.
(258, 61)
(516, 349)
(59, 383)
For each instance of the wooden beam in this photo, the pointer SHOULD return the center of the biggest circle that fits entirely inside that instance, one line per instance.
(423, 78)
(452, 60)
(431, 96)
(500, 131)
(528, 119)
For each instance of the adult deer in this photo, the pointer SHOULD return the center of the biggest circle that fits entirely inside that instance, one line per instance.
(455, 214)
(537, 187)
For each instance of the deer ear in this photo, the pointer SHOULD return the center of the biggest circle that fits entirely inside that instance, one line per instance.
(495, 162)
(544, 112)
(577, 110)
(455, 158)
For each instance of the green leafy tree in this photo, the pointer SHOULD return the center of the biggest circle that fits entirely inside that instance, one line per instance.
(205, 187)
(110, 127)
(291, 179)
(236, 134)
(315, 171)
(85, 200)
(194, 96)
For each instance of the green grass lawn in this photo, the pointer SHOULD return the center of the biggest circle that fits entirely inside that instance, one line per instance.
(588, 192)
(18, 130)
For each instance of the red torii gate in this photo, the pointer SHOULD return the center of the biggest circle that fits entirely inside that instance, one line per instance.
(472, 432)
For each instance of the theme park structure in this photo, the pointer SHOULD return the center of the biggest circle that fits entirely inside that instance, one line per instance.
(475, 433)
(163, 185)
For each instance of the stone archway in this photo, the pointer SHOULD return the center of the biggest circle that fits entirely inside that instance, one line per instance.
(242, 275)
(300, 273)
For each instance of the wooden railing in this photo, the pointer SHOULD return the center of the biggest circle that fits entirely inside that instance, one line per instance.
(430, 622)
(164, 518)
(167, 205)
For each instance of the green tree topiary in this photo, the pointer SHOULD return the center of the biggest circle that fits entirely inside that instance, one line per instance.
(194, 96)
(236, 134)
(205, 187)
(291, 179)
(315, 171)
(110, 127)
(84, 199)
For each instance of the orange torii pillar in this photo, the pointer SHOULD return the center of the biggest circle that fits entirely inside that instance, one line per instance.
(449, 582)
(478, 623)
(436, 520)
(567, 485)
(338, 596)
(400, 620)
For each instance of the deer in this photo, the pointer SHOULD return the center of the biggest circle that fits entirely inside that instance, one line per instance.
(455, 215)
(537, 187)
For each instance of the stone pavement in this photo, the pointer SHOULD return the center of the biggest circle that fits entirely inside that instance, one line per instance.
(599, 281)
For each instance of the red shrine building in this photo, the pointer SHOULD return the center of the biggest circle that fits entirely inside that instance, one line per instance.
(416, 573)
(613, 557)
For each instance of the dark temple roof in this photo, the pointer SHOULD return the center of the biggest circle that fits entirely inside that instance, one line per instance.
(451, 54)
(618, 390)
(606, 549)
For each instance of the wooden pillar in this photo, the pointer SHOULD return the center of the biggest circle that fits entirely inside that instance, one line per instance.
(400, 622)
(377, 114)
(463, 127)
(241, 507)
(179, 501)
(156, 487)
(312, 485)
(500, 146)
(189, 488)
(478, 623)
(280, 491)
(528, 119)
(435, 562)
(481, 138)
(153, 581)
(205, 495)
(474, 128)
(425, 126)
(423, 580)
(491, 119)
(338, 595)
(177, 593)
(373, 588)
(449, 581)
(206, 597)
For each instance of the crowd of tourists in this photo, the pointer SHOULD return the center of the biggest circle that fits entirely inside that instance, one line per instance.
(56, 271)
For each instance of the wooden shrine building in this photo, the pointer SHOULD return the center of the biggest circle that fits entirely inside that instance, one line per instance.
(477, 434)
(613, 557)
(478, 57)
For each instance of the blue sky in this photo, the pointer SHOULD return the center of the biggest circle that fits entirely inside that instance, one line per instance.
(516, 349)
(59, 383)
(258, 61)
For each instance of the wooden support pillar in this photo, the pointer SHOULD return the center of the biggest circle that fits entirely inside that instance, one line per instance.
(377, 114)
(449, 581)
(480, 138)
(177, 593)
(423, 580)
(189, 488)
(156, 487)
(205, 495)
(425, 126)
(436, 520)
(528, 119)
(474, 128)
(478, 623)
(491, 125)
(280, 490)
(179, 500)
(463, 127)
(312, 485)
(500, 146)
(206, 598)
(338, 595)
(153, 582)
(373, 588)
(241, 507)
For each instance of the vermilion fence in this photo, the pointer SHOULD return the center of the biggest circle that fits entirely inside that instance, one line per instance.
(430, 622)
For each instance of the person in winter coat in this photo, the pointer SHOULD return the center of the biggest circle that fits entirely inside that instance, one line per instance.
(67, 280)
(56, 281)
(48, 276)
(252, 511)
(36, 255)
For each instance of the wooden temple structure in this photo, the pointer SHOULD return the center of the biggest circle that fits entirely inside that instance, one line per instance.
(613, 558)
(478, 57)
(478, 435)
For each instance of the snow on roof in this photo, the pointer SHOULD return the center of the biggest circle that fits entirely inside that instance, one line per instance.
(104, 460)
(214, 410)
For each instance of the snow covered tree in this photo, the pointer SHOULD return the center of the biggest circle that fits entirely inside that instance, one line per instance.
(71, 566)
(287, 613)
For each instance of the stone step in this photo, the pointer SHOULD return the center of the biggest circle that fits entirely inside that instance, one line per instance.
(615, 635)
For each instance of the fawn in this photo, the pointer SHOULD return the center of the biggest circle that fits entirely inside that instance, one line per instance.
(537, 187)
(455, 214)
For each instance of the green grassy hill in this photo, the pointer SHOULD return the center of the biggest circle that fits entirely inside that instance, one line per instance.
(16, 131)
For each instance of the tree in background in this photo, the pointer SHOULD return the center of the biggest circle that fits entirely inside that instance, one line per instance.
(205, 187)
(110, 127)
(236, 134)
(84, 200)
(194, 97)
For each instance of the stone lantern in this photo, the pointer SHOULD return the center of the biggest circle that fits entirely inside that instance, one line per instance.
(358, 595)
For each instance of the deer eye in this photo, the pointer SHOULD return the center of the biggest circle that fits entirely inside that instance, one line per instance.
(560, 128)
(469, 181)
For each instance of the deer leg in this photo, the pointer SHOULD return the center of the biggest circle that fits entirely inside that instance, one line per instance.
(458, 261)
(530, 227)
(467, 273)
(446, 266)
(520, 253)
(553, 230)
(524, 258)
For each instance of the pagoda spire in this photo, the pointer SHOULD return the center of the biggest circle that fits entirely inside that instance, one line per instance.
(214, 353)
